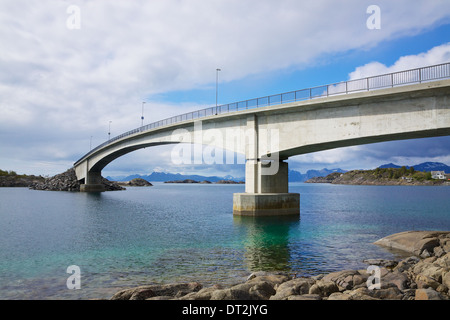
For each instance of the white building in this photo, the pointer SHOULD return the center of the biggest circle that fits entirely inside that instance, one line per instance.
(438, 175)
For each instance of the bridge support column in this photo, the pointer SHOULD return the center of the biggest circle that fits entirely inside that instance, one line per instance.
(93, 183)
(266, 194)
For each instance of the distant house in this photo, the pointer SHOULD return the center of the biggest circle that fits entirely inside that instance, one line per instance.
(438, 175)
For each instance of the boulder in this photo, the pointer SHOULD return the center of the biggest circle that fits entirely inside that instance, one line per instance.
(252, 290)
(346, 279)
(397, 278)
(145, 292)
(323, 288)
(202, 294)
(297, 286)
(305, 297)
(428, 294)
(413, 241)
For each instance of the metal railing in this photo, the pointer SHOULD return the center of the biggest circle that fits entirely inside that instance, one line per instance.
(395, 79)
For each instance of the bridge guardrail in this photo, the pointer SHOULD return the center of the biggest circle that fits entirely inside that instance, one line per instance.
(395, 79)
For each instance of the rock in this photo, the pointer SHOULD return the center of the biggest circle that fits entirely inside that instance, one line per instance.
(392, 293)
(428, 294)
(68, 181)
(424, 282)
(430, 270)
(438, 252)
(260, 290)
(137, 182)
(397, 278)
(406, 264)
(381, 262)
(345, 279)
(339, 296)
(305, 297)
(443, 261)
(413, 241)
(273, 278)
(297, 286)
(360, 294)
(323, 288)
(142, 294)
(145, 292)
(203, 294)
(446, 279)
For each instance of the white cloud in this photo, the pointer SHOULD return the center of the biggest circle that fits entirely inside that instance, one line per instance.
(436, 55)
(64, 86)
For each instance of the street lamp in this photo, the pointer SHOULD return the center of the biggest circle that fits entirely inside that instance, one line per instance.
(142, 117)
(90, 144)
(109, 131)
(217, 86)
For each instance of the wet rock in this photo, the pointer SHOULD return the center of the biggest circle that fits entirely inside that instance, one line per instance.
(428, 294)
(413, 241)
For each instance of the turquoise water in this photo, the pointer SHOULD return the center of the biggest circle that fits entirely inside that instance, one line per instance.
(182, 232)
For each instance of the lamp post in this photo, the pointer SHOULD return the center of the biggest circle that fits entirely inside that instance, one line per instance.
(90, 144)
(217, 86)
(109, 131)
(142, 117)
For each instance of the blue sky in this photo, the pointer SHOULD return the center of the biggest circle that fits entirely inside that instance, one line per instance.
(61, 86)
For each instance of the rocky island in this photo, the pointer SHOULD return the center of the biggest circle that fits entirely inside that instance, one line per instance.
(425, 275)
(137, 182)
(10, 179)
(382, 176)
(67, 181)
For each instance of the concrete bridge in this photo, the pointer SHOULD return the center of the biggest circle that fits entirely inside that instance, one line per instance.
(269, 130)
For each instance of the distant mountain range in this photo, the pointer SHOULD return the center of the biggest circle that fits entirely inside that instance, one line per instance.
(294, 176)
(164, 176)
(426, 166)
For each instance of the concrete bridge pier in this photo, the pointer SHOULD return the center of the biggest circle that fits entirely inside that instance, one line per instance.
(92, 183)
(266, 191)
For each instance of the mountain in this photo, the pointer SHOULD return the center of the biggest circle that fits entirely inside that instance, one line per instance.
(294, 176)
(426, 166)
(164, 176)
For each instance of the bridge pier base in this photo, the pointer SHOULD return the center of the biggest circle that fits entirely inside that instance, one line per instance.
(266, 191)
(92, 188)
(93, 183)
(266, 204)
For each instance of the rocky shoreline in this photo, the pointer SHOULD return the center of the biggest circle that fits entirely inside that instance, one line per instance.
(425, 275)
(371, 177)
(67, 181)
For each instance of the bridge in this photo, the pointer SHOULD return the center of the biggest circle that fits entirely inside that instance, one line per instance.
(404, 105)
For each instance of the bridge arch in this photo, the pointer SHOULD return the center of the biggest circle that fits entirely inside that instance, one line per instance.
(332, 121)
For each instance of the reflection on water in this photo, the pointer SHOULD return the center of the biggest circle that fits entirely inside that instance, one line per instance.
(267, 242)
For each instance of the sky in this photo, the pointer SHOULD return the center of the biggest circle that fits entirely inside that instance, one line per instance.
(72, 71)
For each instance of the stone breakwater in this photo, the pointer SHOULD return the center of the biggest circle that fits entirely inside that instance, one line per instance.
(423, 276)
(67, 181)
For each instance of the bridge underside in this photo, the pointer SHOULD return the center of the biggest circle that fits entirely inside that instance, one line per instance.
(409, 112)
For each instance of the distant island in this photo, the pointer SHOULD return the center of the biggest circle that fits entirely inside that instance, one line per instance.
(206, 181)
(385, 176)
